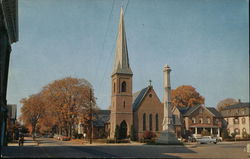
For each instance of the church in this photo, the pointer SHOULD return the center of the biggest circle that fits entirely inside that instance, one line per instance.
(143, 109)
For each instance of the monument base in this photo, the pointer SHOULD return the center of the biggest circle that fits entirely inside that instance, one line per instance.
(168, 138)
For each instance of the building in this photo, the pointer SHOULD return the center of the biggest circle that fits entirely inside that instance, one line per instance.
(237, 119)
(143, 109)
(12, 130)
(9, 35)
(147, 112)
(194, 120)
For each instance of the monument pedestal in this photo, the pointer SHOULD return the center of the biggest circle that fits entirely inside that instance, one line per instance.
(168, 138)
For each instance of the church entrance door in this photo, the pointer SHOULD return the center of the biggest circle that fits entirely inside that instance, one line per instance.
(123, 129)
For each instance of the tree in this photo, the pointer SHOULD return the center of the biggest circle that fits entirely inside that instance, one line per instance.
(224, 134)
(226, 102)
(32, 111)
(186, 96)
(117, 132)
(69, 102)
(133, 134)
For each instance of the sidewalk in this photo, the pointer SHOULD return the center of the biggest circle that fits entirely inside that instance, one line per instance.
(28, 141)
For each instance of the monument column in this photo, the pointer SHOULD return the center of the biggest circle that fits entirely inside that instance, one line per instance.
(167, 135)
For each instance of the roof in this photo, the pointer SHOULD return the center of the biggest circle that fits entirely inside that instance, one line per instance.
(190, 110)
(237, 106)
(138, 97)
(183, 110)
(214, 111)
(102, 117)
(121, 65)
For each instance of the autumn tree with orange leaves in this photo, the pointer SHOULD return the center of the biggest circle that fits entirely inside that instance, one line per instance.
(68, 102)
(65, 103)
(33, 110)
(186, 96)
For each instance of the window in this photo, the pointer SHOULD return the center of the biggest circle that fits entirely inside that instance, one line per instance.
(236, 121)
(208, 120)
(150, 122)
(237, 131)
(156, 122)
(144, 122)
(244, 130)
(123, 86)
(193, 120)
(243, 120)
(114, 87)
(243, 112)
(200, 120)
(150, 95)
(124, 104)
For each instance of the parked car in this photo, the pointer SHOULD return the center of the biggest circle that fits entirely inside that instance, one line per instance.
(207, 139)
(219, 139)
(64, 138)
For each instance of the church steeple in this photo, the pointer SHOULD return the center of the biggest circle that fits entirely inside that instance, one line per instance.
(121, 58)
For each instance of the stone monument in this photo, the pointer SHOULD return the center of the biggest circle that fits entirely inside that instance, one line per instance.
(167, 135)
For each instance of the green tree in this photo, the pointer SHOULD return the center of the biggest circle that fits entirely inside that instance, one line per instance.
(133, 134)
(117, 132)
(224, 134)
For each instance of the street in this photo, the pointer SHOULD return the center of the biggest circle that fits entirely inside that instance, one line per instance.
(52, 148)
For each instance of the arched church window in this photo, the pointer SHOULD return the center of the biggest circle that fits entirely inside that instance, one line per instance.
(156, 122)
(144, 122)
(124, 86)
(150, 122)
(114, 87)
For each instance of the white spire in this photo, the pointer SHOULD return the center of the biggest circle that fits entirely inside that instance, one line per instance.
(121, 57)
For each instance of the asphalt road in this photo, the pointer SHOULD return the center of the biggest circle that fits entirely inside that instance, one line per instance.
(51, 148)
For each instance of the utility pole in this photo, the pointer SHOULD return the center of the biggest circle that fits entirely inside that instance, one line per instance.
(91, 121)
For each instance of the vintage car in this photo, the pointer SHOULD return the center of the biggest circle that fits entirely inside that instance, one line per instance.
(207, 139)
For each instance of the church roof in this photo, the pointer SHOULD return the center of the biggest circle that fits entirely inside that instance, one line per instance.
(121, 65)
(138, 97)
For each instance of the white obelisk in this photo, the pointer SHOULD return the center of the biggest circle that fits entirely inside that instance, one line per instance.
(167, 135)
(167, 120)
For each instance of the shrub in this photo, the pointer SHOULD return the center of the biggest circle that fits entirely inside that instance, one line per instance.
(149, 135)
(117, 132)
(133, 134)
(224, 134)
(244, 135)
(233, 135)
(205, 133)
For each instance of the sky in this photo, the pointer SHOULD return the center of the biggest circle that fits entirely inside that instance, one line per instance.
(205, 42)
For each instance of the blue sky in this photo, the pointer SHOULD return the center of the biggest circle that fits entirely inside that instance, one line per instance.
(205, 42)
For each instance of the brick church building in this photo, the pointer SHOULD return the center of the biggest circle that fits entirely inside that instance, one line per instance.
(142, 109)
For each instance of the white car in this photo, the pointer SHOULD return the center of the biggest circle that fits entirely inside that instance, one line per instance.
(207, 139)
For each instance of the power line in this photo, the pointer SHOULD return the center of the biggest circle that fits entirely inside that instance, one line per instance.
(104, 40)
